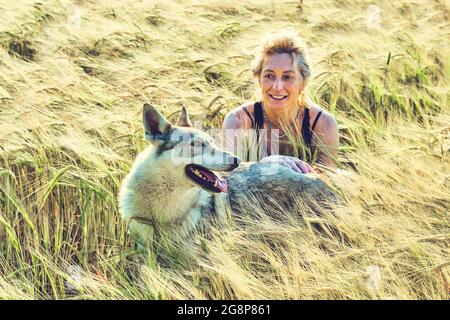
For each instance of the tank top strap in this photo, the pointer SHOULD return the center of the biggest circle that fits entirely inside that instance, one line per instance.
(259, 115)
(257, 123)
(315, 120)
(306, 132)
(250, 116)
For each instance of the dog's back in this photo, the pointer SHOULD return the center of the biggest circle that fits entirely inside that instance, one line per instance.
(272, 187)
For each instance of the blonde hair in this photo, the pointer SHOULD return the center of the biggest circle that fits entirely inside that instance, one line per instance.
(283, 42)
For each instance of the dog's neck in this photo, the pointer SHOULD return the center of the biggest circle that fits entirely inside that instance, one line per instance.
(172, 202)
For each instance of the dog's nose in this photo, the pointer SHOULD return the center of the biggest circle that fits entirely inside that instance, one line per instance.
(235, 161)
(232, 161)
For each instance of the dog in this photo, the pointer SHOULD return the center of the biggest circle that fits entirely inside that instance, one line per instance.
(174, 185)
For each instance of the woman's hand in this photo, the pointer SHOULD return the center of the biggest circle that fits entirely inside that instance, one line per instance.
(291, 162)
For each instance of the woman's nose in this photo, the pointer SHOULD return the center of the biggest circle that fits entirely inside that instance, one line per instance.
(278, 84)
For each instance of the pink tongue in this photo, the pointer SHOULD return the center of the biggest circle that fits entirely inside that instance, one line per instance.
(208, 175)
(222, 183)
(223, 187)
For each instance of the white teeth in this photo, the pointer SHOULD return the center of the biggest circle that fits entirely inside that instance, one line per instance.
(201, 176)
(198, 174)
(278, 97)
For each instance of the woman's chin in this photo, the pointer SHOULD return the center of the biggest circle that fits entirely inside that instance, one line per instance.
(278, 104)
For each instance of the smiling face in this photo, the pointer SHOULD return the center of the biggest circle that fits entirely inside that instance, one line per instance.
(280, 81)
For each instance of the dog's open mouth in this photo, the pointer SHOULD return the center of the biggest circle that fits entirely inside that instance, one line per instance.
(206, 178)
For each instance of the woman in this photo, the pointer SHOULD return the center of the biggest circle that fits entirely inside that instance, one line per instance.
(304, 133)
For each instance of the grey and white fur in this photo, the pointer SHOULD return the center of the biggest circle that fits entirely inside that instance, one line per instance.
(174, 185)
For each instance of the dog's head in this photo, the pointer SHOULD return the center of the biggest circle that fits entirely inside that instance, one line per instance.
(184, 147)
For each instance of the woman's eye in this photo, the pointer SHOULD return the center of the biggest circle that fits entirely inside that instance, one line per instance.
(288, 77)
(268, 76)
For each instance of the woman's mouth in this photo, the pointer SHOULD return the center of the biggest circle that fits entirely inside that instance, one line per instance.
(277, 97)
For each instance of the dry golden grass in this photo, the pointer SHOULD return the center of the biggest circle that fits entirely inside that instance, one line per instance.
(74, 75)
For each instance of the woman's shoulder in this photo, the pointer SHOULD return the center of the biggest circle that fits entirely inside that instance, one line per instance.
(325, 120)
(326, 126)
(240, 117)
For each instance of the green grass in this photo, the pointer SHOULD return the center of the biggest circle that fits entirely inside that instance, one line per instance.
(71, 94)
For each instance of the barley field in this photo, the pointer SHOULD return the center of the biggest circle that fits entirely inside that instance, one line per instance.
(74, 76)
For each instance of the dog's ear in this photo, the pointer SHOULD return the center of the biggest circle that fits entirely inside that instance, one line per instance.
(183, 120)
(155, 124)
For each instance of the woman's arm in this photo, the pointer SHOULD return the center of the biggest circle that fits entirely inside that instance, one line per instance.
(233, 132)
(326, 139)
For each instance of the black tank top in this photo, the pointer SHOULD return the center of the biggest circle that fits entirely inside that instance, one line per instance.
(258, 124)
